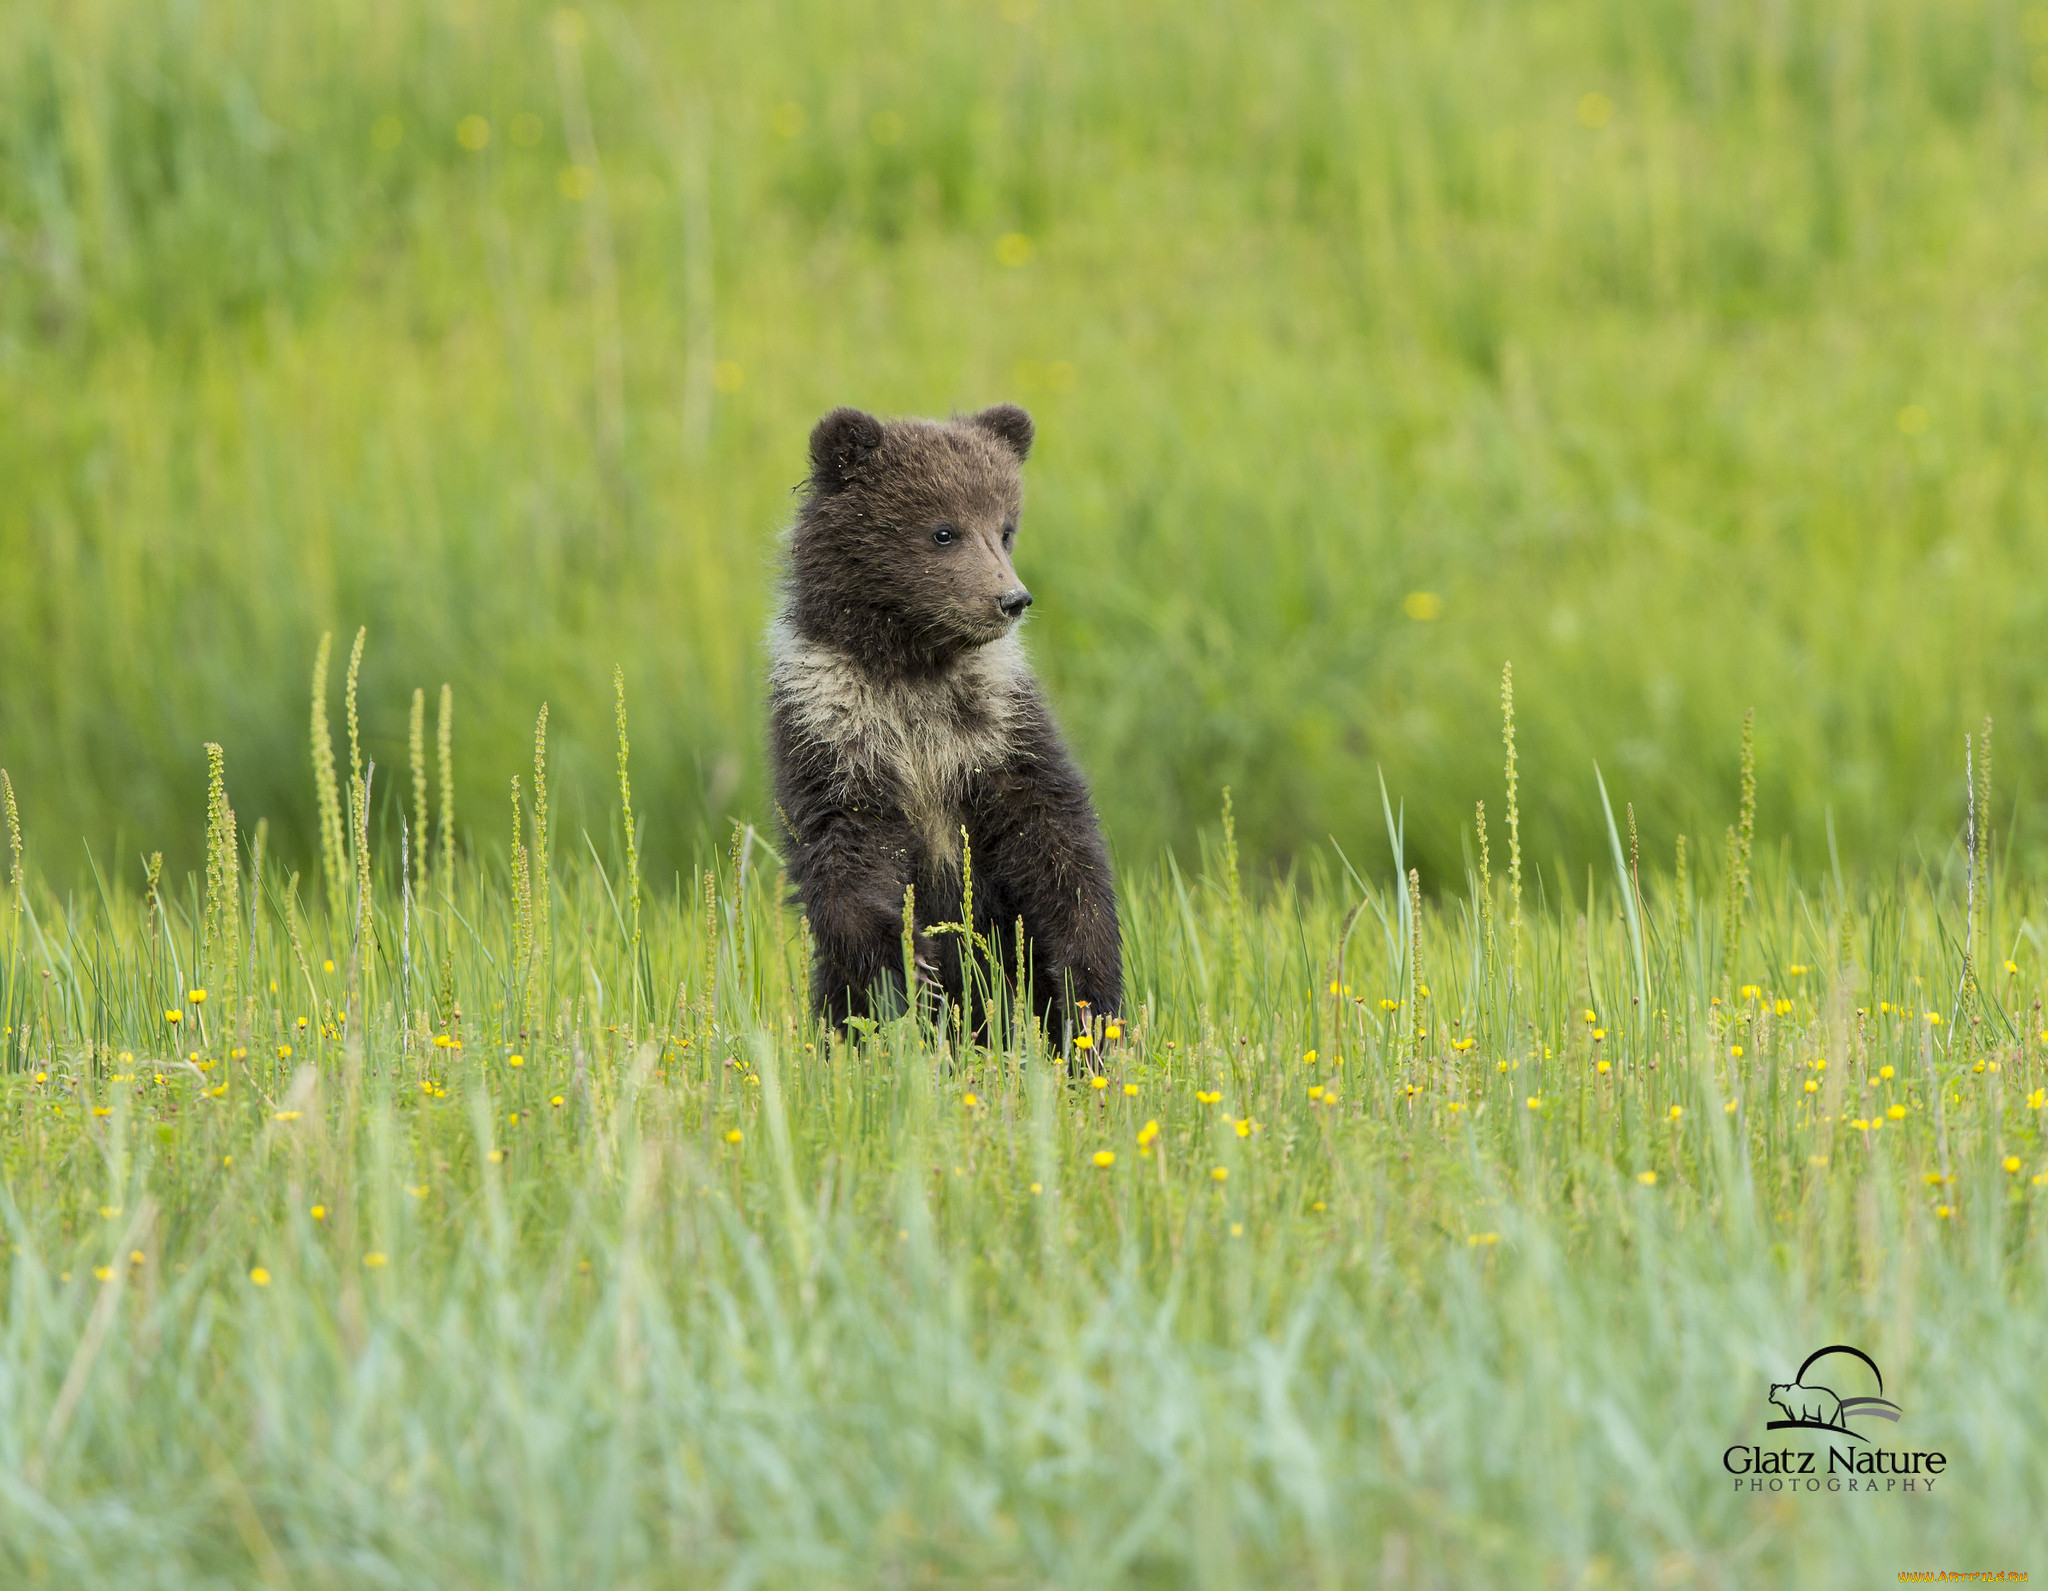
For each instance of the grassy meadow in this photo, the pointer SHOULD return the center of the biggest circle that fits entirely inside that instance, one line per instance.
(1685, 355)
(453, 1219)
(418, 1167)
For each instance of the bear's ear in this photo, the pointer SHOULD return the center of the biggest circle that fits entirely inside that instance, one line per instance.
(841, 445)
(1007, 424)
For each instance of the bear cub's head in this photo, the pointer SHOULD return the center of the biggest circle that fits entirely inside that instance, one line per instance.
(901, 552)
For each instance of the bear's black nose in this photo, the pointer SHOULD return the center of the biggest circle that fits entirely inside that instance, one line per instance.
(1014, 602)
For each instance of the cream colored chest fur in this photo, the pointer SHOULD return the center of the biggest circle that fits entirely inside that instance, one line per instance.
(927, 736)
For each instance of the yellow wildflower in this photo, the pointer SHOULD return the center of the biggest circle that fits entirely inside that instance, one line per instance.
(1105, 1157)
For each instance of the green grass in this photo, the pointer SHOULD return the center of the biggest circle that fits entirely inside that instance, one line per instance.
(1323, 306)
(1682, 354)
(695, 1294)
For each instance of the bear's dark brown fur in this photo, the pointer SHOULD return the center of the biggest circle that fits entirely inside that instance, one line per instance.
(902, 711)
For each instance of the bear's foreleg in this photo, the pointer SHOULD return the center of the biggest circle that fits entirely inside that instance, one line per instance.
(850, 870)
(1038, 855)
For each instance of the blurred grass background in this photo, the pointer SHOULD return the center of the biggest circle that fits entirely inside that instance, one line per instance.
(1686, 355)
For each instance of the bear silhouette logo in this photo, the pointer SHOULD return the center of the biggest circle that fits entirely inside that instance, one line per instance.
(1809, 1405)
(1814, 1406)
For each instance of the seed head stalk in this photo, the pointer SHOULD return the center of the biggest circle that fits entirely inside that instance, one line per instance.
(416, 749)
(221, 926)
(15, 876)
(542, 896)
(444, 841)
(333, 841)
(708, 990)
(966, 940)
(1240, 955)
(1418, 985)
(631, 837)
(522, 884)
(363, 957)
(909, 948)
(355, 734)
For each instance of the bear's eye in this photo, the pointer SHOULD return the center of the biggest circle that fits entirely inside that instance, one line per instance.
(945, 535)
(1009, 534)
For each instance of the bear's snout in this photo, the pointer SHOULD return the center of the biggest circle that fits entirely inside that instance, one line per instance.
(1014, 602)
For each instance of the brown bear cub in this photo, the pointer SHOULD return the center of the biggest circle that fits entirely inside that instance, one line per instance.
(902, 711)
